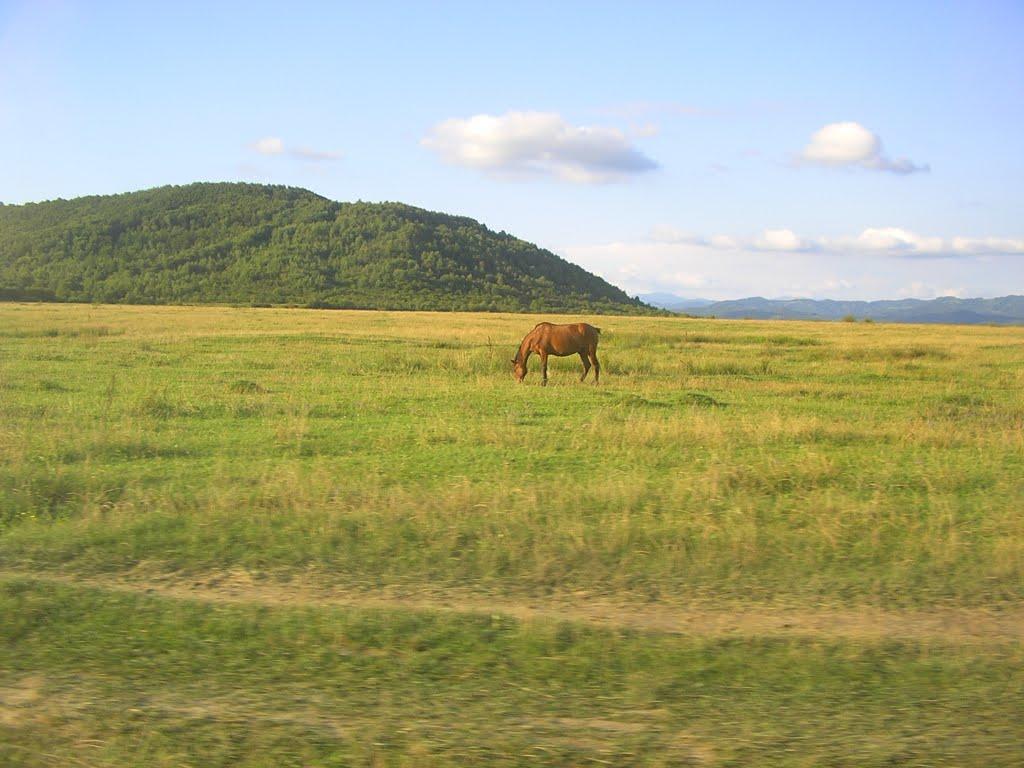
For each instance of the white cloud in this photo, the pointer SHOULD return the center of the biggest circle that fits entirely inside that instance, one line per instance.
(768, 240)
(895, 241)
(691, 266)
(851, 145)
(724, 242)
(272, 145)
(888, 241)
(781, 240)
(986, 246)
(922, 290)
(523, 144)
(879, 262)
(640, 267)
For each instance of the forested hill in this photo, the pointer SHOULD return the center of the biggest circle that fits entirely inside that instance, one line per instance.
(251, 243)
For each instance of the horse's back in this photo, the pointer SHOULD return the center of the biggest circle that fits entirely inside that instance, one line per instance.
(565, 339)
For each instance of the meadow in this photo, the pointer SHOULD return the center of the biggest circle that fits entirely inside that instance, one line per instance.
(270, 537)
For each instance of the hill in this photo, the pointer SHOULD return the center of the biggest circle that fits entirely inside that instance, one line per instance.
(251, 243)
(947, 309)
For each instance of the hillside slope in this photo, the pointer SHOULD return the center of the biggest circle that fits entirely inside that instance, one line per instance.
(251, 243)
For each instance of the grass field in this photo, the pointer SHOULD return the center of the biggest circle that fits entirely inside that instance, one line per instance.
(254, 537)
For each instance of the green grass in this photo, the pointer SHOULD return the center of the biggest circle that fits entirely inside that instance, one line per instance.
(155, 682)
(802, 466)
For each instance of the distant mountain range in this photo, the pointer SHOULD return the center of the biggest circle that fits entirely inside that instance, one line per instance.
(672, 302)
(946, 309)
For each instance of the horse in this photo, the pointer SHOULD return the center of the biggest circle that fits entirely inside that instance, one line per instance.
(560, 341)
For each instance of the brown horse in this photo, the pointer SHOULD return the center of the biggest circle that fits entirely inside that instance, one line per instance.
(560, 341)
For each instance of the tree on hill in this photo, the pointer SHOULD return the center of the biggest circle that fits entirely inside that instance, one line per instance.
(250, 243)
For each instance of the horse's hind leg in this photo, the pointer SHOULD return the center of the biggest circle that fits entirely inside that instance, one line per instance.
(592, 353)
(586, 365)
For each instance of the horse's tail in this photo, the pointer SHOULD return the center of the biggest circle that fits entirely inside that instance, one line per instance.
(596, 329)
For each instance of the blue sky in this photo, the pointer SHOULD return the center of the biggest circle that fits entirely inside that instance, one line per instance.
(840, 150)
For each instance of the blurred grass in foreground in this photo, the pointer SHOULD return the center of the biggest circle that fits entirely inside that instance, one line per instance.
(122, 680)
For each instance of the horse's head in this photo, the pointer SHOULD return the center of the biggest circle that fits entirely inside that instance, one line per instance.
(518, 370)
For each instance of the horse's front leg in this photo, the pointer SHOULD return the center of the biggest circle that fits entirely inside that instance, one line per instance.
(544, 369)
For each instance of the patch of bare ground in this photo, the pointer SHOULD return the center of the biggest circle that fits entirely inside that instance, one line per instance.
(18, 700)
(946, 624)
